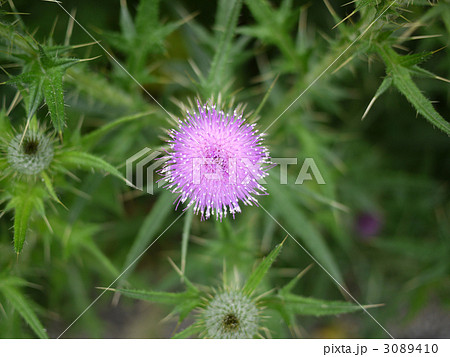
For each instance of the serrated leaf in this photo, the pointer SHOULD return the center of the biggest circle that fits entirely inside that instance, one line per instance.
(402, 80)
(310, 306)
(405, 84)
(30, 85)
(261, 270)
(49, 185)
(19, 302)
(54, 97)
(158, 296)
(88, 161)
(414, 59)
(22, 212)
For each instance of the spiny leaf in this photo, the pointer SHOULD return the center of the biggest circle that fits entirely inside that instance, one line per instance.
(261, 270)
(54, 97)
(217, 73)
(22, 213)
(20, 303)
(49, 185)
(405, 84)
(159, 296)
(309, 306)
(381, 89)
(88, 161)
(413, 59)
(30, 85)
(402, 80)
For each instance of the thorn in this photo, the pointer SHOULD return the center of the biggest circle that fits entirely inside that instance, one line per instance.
(345, 18)
(369, 106)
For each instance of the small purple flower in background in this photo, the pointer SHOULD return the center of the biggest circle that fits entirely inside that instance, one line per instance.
(368, 225)
(215, 161)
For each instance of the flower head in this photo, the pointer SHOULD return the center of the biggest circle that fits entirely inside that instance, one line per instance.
(31, 153)
(231, 314)
(215, 161)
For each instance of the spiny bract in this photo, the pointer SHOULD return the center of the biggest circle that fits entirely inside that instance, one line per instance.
(231, 314)
(31, 153)
(215, 161)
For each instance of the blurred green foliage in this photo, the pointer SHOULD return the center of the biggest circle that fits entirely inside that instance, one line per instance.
(78, 229)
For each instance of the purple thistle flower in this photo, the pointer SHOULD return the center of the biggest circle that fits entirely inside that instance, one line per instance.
(368, 225)
(215, 161)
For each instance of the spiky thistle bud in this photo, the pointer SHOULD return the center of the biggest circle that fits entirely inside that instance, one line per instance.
(31, 154)
(229, 315)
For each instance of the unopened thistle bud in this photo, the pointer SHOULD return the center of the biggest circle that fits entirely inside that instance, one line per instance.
(30, 155)
(231, 314)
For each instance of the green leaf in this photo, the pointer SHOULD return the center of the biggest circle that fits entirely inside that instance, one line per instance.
(149, 229)
(92, 137)
(157, 296)
(30, 85)
(88, 161)
(309, 306)
(185, 237)
(189, 331)
(404, 83)
(54, 97)
(23, 200)
(22, 213)
(261, 270)
(100, 257)
(414, 59)
(20, 303)
(296, 223)
(183, 302)
(49, 185)
(217, 74)
(402, 80)
(147, 17)
(387, 82)
(126, 22)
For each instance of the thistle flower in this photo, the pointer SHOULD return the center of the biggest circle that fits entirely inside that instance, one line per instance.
(31, 154)
(231, 314)
(215, 161)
